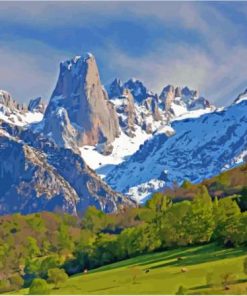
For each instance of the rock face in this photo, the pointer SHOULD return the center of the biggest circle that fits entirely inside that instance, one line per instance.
(36, 175)
(37, 105)
(7, 101)
(126, 112)
(138, 89)
(177, 101)
(80, 93)
(28, 183)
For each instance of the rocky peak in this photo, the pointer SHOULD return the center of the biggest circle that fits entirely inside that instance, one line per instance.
(7, 101)
(138, 90)
(177, 100)
(241, 97)
(115, 89)
(80, 93)
(37, 105)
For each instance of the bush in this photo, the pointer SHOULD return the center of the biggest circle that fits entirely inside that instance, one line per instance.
(39, 287)
(57, 276)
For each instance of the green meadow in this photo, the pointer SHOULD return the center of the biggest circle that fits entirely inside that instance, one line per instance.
(163, 273)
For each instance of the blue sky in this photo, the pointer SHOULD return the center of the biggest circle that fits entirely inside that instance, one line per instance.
(199, 44)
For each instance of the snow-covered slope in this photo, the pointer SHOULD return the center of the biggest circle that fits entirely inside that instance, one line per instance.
(14, 113)
(200, 148)
(141, 115)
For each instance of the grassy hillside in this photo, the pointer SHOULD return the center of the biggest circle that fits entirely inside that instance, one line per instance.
(165, 275)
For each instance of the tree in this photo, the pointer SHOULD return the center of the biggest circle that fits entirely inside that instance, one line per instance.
(226, 216)
(93, 220)
(39, 287)
(203, 195)
(159, 203)
(172, 231)
(57, 276)
(64, 240)
(187, 184)
(199, 222)
(32, 247)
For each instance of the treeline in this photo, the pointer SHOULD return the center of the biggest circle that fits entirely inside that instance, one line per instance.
(38, 245)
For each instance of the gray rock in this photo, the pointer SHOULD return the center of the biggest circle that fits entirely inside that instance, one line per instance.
(80, 93)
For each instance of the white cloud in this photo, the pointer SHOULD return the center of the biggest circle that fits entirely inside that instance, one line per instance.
(28, 74)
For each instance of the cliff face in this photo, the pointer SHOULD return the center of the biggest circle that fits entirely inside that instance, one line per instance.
(79, 92)
(36, 175)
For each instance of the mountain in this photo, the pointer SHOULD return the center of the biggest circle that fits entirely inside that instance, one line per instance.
(79, 109)
(199, 148)
(141, 114)
(137, 141)
(36, 175)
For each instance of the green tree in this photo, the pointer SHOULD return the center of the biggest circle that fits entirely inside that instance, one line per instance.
(199, 221)
(225, 212)
(203, 195)
(172, 231)
(32, 247)
(187, 184)
(65, 243)
(39, 287)
(159, 203)
(93, 220)
(57, 276)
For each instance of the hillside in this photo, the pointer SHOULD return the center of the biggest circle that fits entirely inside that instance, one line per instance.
(164, 274)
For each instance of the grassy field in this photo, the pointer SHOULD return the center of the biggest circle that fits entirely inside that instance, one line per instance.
(165, 273)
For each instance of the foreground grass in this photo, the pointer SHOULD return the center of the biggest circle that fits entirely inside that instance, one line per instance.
(165, 273)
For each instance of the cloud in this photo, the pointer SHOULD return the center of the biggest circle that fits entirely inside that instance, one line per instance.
(207, 50)
(28, 74)
(218, 79)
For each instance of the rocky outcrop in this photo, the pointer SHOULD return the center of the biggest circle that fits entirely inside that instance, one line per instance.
(177, 100)
(37, 105)
(7, 101)
(80, 93)
(126, 112)
(36, 175)
(29, 183)
(138, 90)
(115, 89)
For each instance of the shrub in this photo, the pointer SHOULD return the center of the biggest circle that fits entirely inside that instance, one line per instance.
(57, 276)
(39, 287)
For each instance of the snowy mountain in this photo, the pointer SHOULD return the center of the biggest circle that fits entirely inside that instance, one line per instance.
(136, 140)
(199, 148)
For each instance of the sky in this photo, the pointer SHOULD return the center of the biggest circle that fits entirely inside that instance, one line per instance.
(202, 45)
